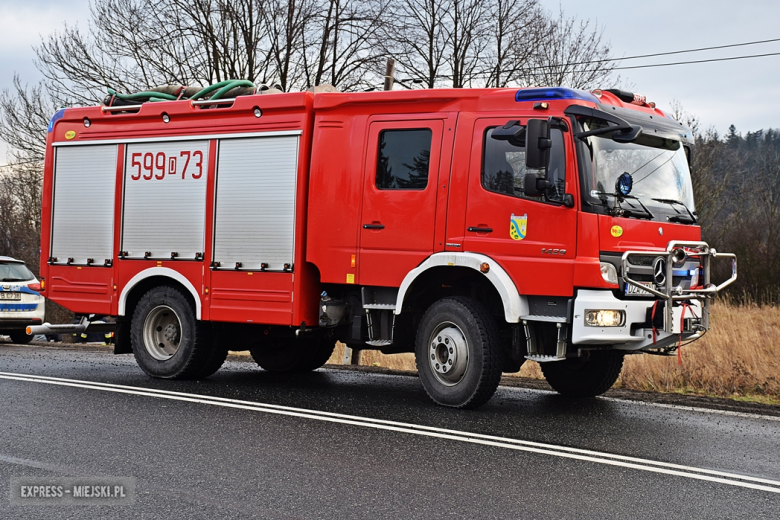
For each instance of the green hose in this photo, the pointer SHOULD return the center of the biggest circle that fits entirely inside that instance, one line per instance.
(138, 95)
(211, 88)
(233, 84)
(151, 96)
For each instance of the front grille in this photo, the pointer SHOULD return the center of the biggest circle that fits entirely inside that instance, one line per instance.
(641, 260)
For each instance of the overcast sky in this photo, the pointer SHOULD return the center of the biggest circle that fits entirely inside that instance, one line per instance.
(743, 92)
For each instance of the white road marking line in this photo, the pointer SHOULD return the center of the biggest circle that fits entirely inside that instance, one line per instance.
(473, 438)
(699, 409)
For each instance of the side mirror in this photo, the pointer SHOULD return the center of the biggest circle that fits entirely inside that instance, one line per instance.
(533, 186)
(537, 144)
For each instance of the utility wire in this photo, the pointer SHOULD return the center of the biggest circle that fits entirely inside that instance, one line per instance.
(675, 52)
(486, 75)
(697, 61)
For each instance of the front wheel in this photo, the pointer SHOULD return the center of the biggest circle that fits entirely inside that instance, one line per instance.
(458, 353)
(587, 376)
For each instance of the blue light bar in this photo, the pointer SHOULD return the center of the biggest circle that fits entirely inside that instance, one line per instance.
(56, 117)
(552, 94)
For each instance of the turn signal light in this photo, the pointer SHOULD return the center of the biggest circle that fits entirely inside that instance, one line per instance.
(605, 318)
(484, 267)
(609, 273)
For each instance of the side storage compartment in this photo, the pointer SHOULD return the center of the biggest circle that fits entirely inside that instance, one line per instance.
(254, 230)
(82, 227)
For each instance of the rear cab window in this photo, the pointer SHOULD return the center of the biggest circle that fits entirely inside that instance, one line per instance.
(404, 159)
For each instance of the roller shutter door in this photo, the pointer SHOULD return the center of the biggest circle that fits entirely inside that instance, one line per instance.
(165, 199)
(255, 202)
(83, 213)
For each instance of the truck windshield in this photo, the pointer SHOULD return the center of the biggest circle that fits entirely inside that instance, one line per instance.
(659, 168)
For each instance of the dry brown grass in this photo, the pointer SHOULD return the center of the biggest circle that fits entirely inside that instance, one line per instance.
(738, 358)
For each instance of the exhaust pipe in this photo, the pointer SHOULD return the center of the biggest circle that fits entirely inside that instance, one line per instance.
(68, 328)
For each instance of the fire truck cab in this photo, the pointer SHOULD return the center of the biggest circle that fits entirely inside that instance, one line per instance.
(476, 228)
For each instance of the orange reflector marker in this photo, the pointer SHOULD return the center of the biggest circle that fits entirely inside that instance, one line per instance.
(28, 330)
(484, 267)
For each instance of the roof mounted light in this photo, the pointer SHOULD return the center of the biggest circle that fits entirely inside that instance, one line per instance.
(554, 93)
(56, 117)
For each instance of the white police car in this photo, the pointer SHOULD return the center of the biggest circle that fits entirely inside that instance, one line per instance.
(20, 303)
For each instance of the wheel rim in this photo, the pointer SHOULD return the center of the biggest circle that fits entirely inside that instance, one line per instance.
(162, 333)
(448, 353)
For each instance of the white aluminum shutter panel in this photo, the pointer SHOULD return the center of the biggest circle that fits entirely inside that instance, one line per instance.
(84, 192)
(164, 208)
(255, 209)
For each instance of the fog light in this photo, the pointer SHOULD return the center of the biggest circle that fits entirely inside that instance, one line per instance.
(605, 318)
(609, 273)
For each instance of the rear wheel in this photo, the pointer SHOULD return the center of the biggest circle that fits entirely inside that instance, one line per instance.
(293, 354)
(168, 342)
(458, 353)
(21, 337)
(587, 376)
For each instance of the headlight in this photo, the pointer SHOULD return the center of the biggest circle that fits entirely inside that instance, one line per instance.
(609, 273)
(605, 318)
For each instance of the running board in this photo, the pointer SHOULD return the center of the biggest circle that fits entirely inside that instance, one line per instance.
(379, 342)
(532, 346)
(544, 359)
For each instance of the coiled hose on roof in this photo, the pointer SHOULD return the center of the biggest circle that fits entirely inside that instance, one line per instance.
(224, 90)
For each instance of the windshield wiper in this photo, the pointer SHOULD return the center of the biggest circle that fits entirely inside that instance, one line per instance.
(618, 211)
(12, 280)
(682, 219)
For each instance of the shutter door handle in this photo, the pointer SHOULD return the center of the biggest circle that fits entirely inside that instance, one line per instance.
(373, 226)
(480, 229)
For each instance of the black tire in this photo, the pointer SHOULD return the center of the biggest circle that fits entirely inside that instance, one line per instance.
(449, 328)
(293, 354)
(319, 354)
(584, 377)
(187, 351)
(21, 337)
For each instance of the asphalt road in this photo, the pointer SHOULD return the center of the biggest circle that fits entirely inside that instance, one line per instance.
(342, 444)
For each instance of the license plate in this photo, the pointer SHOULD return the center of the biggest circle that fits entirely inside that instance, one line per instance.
(630, 289)
(10, 296)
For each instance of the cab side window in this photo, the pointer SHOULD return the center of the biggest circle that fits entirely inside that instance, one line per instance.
(504, 170)
(404, 157)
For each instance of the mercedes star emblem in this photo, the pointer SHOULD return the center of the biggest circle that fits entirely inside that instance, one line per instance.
(659, 271)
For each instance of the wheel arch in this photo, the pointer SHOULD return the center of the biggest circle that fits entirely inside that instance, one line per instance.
(153, 277)
(514, 304)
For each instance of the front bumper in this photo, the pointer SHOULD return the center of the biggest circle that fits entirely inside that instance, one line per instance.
(672, 296)
(679, 312)
(637, 331)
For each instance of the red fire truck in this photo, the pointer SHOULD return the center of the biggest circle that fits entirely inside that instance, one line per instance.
(476, 228)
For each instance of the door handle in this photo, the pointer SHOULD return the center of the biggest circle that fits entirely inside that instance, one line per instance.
(373, 226)
(480, 229)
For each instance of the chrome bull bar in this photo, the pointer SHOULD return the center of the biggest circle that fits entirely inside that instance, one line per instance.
(680, 251)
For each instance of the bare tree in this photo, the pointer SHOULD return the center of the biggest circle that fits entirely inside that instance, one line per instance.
(573, 54)
(466, 41)
(418, 38)
(516, 28)
(24, 117)
(341, 46)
